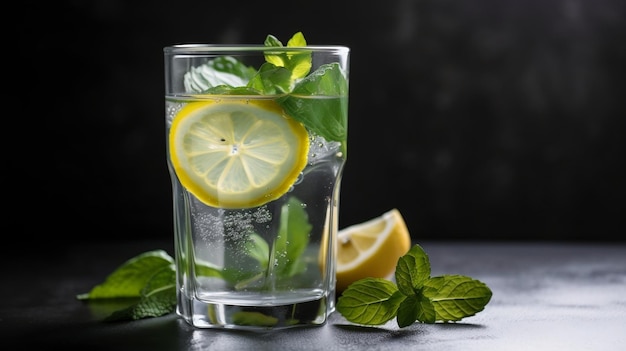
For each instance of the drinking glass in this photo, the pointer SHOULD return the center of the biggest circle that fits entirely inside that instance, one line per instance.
(256, 145)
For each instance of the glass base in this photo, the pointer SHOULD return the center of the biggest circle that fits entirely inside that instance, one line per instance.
(203, 314)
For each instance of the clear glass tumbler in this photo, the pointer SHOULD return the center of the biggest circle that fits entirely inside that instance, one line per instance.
(256, 145)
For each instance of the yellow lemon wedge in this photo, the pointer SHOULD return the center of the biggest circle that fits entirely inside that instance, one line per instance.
(371, 248)
(237, 153)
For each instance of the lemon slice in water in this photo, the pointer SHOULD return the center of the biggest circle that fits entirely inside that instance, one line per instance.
(237, 153)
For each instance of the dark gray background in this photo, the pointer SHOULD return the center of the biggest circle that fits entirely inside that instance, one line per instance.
(487, 119)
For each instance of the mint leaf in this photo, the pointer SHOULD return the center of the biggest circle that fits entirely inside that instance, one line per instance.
(206, 270)
(455, 296)
(271, 79)
(426, 313)
(297, 40)
(282, 69)
(412, 270)
(417, 297)
(370, 301)
(415, 307)
(297, 63)
(327, 117)
(257, 248)
(149, 278)
(223, 70)
(292, 239)
(272, 41)
(230, 65)
(228, 90)
(158, 298)
(131, 277)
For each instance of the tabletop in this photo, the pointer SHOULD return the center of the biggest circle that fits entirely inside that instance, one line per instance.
(546, 296)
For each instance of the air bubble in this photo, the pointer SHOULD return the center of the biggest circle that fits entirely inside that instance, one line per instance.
(299, 179)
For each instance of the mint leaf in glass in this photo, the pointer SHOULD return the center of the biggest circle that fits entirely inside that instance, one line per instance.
(254, 318)
(286, 74)
(257, 248)
(271, 80)
(283, 259)
(297, 63)
(228, 90)
(292, 239)
(326, 116)
(282, 68)
(223, 70)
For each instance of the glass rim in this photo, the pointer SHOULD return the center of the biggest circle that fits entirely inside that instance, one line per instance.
(201, 48)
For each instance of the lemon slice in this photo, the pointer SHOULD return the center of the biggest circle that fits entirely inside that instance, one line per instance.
(237, 154)
(371, 249)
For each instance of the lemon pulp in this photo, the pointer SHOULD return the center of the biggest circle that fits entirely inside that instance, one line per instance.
(237, 153)
(371, 249)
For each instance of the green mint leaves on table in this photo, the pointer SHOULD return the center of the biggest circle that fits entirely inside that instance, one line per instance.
(416, 296)
(150, 278)
(147, 280)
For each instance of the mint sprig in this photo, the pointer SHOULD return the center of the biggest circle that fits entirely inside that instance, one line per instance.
(147, 281)
(286, 74)
(416, 296)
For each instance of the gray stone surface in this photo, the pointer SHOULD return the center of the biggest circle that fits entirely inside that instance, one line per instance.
(546, 296)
